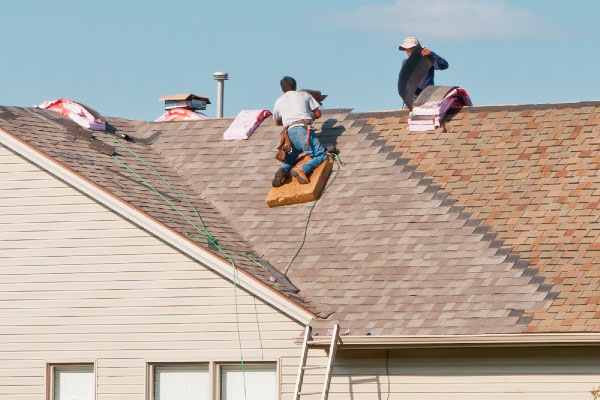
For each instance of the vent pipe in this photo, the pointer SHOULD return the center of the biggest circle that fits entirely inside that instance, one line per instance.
(220, 77)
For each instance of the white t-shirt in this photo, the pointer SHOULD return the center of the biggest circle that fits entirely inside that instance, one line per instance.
(294, 106)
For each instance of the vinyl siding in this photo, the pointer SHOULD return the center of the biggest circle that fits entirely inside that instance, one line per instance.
(79, 283)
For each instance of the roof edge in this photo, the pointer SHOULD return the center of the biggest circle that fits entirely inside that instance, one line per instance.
(482, 108)
(533, 106)
(445, 341)
(145, 221)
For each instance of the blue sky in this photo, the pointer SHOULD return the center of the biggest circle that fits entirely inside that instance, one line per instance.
(120, 56)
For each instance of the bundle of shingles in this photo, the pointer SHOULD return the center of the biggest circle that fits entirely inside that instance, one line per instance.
(82, 115)
(245, 124)
(432, 105)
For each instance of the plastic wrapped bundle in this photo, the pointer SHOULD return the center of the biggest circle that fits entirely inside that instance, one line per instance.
(83, 116)
(244, 125)
(180, 114)
(426, 116)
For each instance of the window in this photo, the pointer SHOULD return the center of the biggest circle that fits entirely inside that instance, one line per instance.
(180, 382)
(261, 382)
(72, 382)
(202, 381)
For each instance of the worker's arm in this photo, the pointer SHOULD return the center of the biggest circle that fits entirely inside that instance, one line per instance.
(316, 113)
(279, 122)
(438, 62)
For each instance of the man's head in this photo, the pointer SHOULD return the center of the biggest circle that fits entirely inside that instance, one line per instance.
(408, 45)
(287, 83)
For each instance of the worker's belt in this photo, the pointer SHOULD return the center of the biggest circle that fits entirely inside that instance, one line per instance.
(300, 122)
(285, 146)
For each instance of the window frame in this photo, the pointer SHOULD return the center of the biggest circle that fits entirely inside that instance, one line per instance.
(217, 378)
(150, 370)
(51, 375)
(214, 373)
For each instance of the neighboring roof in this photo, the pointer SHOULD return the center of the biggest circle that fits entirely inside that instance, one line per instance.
(487, 227)
(185, 96)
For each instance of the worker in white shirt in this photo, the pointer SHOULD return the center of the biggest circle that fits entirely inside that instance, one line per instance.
(296, 110)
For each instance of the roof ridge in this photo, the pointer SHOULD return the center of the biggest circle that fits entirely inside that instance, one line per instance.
(487, 107)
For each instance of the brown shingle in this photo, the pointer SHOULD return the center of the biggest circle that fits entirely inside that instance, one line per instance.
(537, 191)
(489, 227)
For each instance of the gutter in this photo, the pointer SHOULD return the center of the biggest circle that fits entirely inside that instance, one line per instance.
(449, 341)
(156, 228)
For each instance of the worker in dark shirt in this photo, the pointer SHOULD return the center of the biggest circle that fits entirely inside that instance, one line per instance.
(408, 45)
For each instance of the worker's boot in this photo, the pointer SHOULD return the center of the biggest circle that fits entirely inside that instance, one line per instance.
(299, 173)
(280, 177)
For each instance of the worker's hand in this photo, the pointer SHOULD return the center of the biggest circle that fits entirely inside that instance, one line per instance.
(425, 52)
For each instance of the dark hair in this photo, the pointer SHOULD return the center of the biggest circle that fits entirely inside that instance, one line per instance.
(287, 83)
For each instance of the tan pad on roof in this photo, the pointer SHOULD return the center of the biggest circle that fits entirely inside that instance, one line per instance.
(294, 193)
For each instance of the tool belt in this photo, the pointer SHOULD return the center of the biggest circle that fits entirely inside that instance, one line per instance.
(285, 146)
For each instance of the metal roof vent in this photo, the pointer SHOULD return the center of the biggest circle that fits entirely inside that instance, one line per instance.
(220, 77)
(183, 107)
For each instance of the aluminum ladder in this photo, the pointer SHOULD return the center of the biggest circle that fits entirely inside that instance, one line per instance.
(335, 338)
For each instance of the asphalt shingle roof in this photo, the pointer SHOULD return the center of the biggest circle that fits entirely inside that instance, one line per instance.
(489, 225)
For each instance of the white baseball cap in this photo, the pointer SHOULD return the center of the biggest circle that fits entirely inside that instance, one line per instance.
(409, 43)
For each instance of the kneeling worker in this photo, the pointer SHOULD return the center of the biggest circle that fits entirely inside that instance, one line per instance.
(296, 112)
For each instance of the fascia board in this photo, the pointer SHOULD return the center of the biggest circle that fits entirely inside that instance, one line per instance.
(444, 341)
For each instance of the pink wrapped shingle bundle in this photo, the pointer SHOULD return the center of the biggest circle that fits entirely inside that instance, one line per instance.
(180, 114)
(245, 124)
(83, 116)
(428, 116)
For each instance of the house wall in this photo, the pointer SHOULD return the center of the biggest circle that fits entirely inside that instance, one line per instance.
(78, 283)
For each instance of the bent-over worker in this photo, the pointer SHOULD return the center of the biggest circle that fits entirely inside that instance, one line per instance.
(408, 46)
(296, 110)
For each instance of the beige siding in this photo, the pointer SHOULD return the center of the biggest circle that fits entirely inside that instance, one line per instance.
(79, 283)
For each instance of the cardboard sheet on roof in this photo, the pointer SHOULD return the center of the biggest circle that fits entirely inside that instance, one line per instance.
(293, 192)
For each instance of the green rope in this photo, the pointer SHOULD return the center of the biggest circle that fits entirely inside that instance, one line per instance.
(338, 160)
(181, 195)
(210, 238)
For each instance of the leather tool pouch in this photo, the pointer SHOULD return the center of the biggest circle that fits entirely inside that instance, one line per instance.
(285, 146)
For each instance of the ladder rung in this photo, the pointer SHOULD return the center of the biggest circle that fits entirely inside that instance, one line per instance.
(308, 393)
(314, 367)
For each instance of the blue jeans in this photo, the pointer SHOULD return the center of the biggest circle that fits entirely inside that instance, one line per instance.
(316, 151)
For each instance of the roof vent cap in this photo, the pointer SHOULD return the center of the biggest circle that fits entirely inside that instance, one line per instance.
(220, 76)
